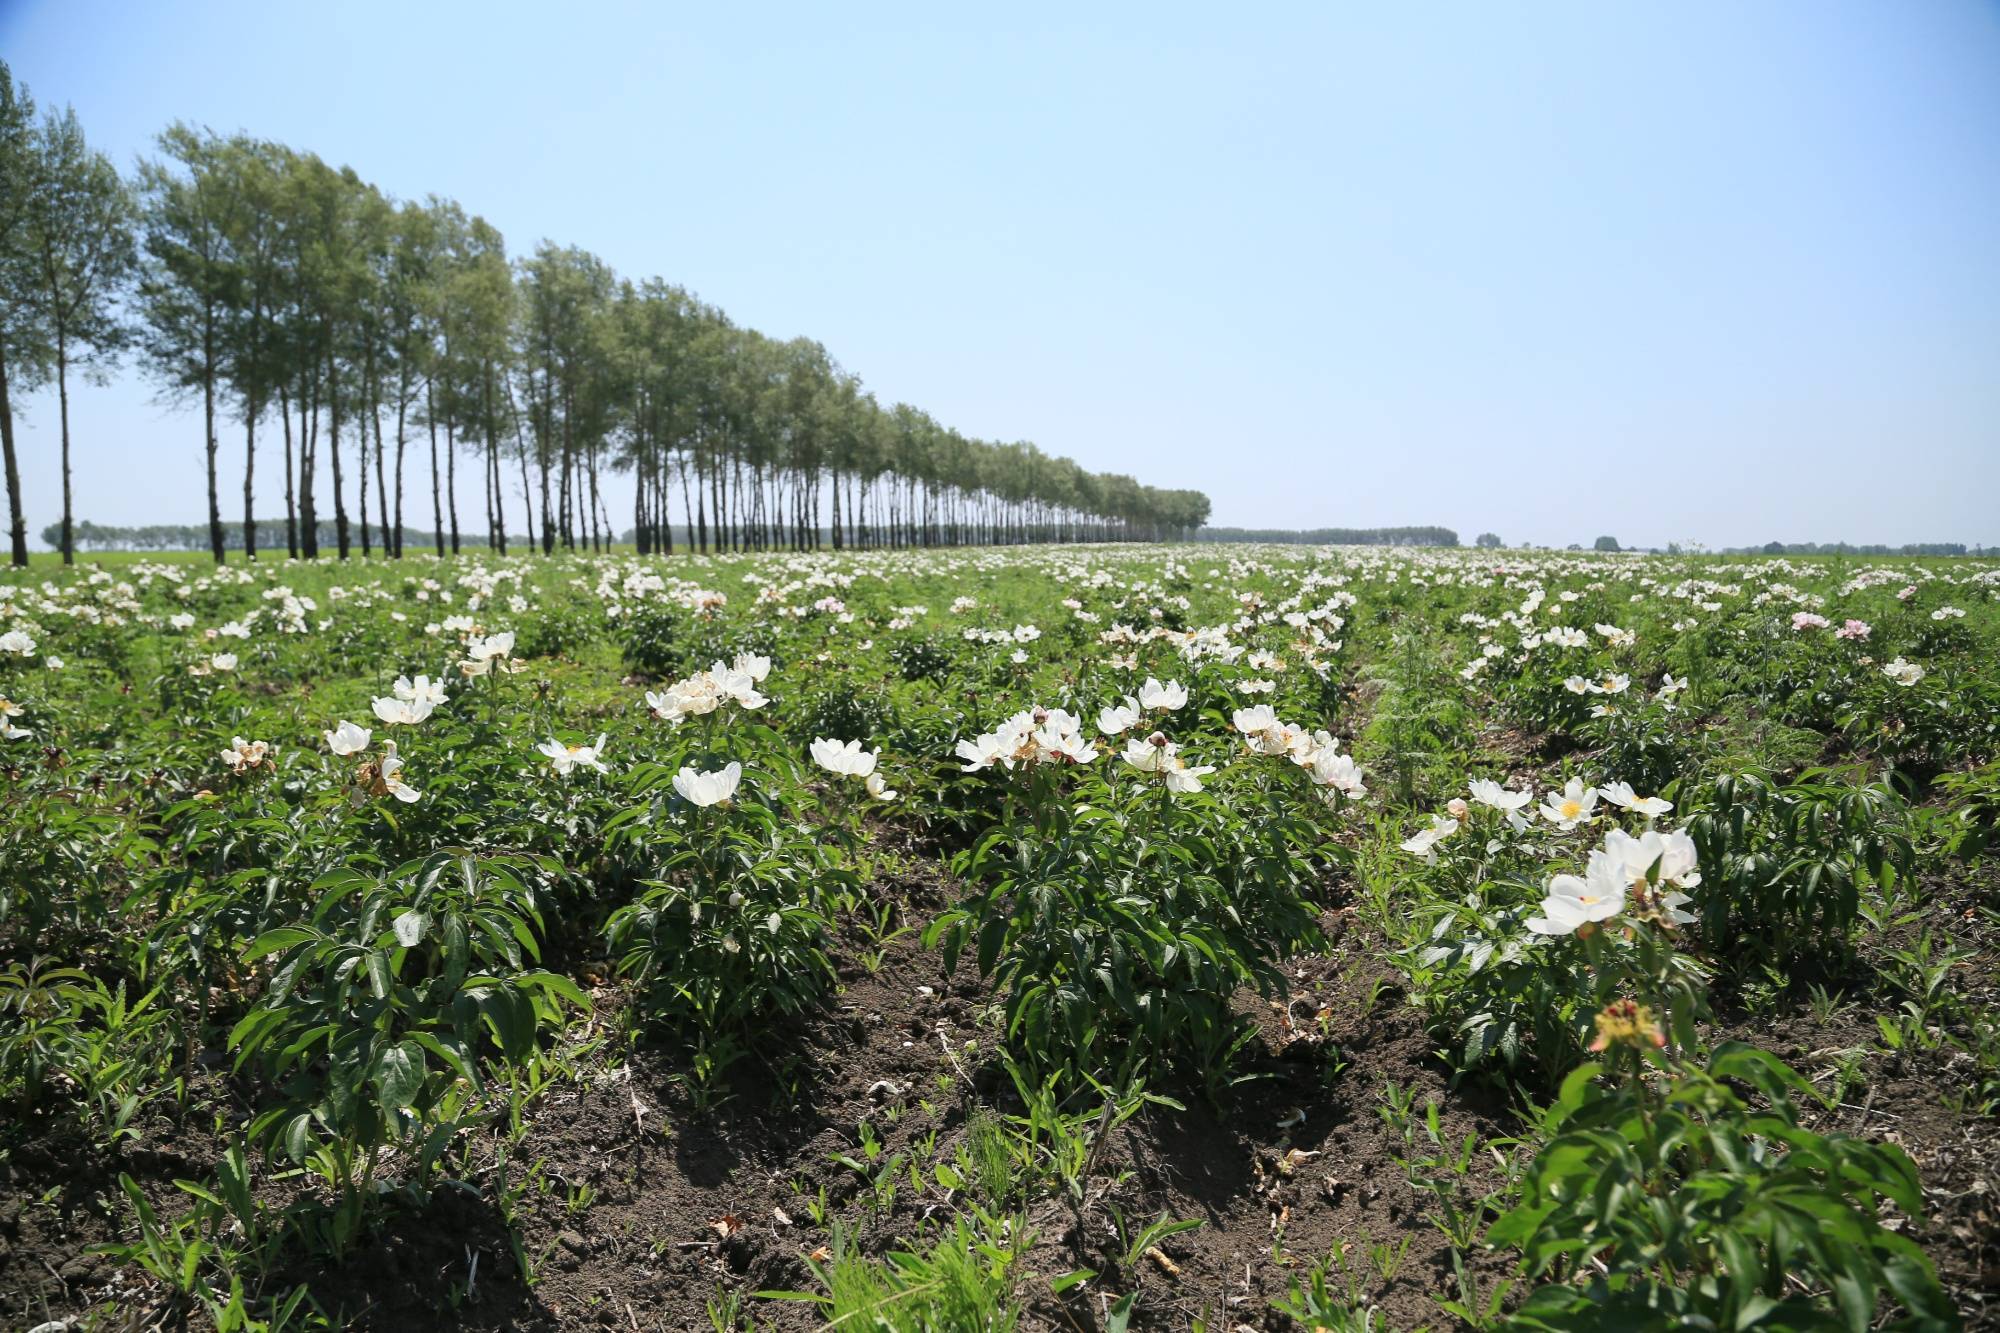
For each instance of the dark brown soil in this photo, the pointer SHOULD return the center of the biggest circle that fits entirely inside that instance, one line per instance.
(638, 1204)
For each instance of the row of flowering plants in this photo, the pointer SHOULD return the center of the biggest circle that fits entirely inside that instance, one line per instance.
(364, 838)
(1122, 899)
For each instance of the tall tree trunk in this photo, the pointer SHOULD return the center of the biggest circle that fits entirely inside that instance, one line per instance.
(308, 464)
(402, 411)
(381, 486)
(437, 491)
(291, 514)
(640, 537)
(17, 525)
(702, 489)
(361, 450)
(665, 507)
(451, 479)
(208, 426)
(340, 536)
(249, 474)
(596, 504)
(62, 398)
(493, 463)
(527, 498)
(542, 457)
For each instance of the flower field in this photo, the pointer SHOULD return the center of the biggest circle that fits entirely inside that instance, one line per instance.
(1077, 937)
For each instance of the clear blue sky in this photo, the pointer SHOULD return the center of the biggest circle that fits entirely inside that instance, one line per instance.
(1719, 272)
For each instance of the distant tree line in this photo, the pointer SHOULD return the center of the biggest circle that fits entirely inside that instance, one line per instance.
(287, 295)
(90, 536)
(1334, 536)
(1850, 548)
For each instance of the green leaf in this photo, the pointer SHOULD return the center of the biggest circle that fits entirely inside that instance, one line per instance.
(276, 941)
(399, 1075)
(410, 928)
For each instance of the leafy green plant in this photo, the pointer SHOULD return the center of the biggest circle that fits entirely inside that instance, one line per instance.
(729, 930)
(384, 1011)
(1690, 1205)
(1784, 867)
(963, 1281)
(1124, 911)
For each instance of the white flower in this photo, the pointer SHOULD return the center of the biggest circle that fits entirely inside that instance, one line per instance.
(1254, 720)
(1148, 753)
(347, 738)
(391, 771)
(566, 758)
(496, 645)
(1621, 795)
(1651, 860)
(1424, 842)
(423, 689)
(847, 759)
(1061, 737)
(705, 691)
(403, 712)
(1573, 805)
(1332, 769)
(1041, 735)
(877, 788)
(1166, 697)
(1265, 734)
(18, 642)
(1160, 756)
(223, 662)
(1572, 902)
(483, 655)
(706, 789)
(739, 683)
(1488, 792)
(242, 755)
(1903, 673)
(1119, 717)
(10, 732)
(982, 751)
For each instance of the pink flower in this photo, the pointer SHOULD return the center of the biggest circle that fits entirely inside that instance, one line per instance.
(1907, 593)
(1853, 629)
(1807, 620)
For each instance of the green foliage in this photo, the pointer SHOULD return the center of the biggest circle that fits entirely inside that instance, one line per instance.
(1784, 867)
(1119, 921)
(384, 1009)
(729, 930)
(1694, 1207)
(963, 1281)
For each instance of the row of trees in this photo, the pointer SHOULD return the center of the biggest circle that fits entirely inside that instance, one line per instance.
(1428, 536)
(295, 299)
(89, 536)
